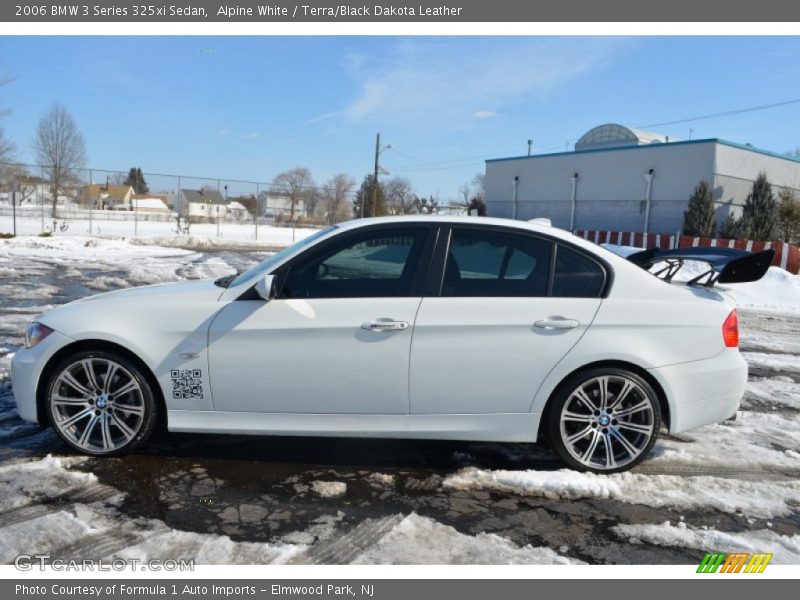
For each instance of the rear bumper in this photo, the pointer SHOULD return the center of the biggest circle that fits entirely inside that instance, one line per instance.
(705, 391)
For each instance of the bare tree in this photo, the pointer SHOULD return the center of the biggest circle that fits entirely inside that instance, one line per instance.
(59, 148)
(399, 196)
(479, 186)
(296, 183)
(465, 191)
(335, 198)
(7, 147)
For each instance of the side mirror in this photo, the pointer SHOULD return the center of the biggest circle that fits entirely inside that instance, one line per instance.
(265, 287)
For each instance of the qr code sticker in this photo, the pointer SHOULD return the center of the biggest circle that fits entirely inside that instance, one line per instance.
(187, 384)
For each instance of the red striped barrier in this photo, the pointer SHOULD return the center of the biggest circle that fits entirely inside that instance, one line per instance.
(787, 256)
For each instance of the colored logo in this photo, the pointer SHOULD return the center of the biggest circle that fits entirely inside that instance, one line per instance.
(737, 562)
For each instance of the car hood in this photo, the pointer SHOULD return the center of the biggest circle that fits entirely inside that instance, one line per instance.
(195, 287)
(142, 305)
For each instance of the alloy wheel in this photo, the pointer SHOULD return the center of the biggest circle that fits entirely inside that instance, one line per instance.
(607, 422)
(97, 405)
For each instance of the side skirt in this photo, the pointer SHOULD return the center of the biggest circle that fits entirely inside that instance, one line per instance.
(514, 427)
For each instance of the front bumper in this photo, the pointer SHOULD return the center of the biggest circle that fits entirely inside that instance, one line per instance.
(26, 370)
(703, 392)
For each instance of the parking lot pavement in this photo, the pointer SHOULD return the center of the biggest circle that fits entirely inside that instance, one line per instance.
(237, 499)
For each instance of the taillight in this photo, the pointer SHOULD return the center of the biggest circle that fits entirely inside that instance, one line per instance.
(730, 330)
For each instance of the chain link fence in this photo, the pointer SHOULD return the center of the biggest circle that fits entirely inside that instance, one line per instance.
(35, 200)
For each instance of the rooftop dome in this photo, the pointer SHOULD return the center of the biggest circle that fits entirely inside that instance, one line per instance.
(613, 134)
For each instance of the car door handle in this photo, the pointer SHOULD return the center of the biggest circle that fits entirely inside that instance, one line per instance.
(384, 325)
(556, 323)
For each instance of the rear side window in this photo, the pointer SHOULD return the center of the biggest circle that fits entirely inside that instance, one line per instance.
(576, 275)
(496, 263)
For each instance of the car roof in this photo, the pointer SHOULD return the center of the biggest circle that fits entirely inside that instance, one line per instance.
(449, 219)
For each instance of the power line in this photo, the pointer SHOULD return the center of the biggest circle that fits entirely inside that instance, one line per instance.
(448, 164)
(737, 111)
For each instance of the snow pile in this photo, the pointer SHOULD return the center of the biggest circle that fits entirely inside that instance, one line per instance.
(777, 291)
(786, 549)
(420, 540)
(25, 482)
(381, 479)
(770, 361)
(207, 549)
(757, 499)
(42, 534)
(780, 391)
(99, 524)
(83, 257)
(192, 242)
(754, 441)
(329, 489)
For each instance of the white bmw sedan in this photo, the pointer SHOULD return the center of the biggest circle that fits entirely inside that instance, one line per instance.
(413, 327)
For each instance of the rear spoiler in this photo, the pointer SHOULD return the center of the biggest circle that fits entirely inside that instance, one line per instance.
(726, 265)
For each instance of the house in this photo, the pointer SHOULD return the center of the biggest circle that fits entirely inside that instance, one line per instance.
(236, 210)
(273, 205)
(150, 203)
(203, 203)
(101, 196)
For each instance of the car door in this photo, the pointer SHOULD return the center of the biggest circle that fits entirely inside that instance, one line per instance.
(508, 307)
(336, 338)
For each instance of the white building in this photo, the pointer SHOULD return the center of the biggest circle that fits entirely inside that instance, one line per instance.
(623, 179)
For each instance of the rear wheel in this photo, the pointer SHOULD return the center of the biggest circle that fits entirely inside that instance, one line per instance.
(100, 403)
(604, 420)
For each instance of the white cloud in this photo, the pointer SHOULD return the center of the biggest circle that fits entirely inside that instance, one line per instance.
(424, 77)
(484, 114)
(324, 117)
(251, 136)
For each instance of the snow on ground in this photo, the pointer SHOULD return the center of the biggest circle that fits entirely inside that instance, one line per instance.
(423, 541)
(22, 483)
(329, 489)
(755, 440)
(120, 228)
(25, 482)
(786, 549)
(778, 291)
(777, 392)
(90, 526)
(753, 498)
(787, 363)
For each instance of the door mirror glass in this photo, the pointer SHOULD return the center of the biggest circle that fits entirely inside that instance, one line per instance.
(265, 287)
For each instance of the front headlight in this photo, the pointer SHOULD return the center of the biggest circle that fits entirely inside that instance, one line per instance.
(35, 333)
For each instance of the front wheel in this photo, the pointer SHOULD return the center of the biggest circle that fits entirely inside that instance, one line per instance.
(604, 420)
(100, 403)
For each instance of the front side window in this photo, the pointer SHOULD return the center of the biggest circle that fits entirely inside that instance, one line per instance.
(496, 263)
(372, 264)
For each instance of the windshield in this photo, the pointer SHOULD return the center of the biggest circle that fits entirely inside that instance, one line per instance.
(264, 266)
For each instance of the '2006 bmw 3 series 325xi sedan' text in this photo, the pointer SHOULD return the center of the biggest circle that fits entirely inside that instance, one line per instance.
(435, 327)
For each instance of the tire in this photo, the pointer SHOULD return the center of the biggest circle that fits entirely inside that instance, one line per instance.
(100, 403)
(584, 422)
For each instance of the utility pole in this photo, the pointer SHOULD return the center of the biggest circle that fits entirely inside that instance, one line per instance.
(375, 176)
(14, 207)
(530, 146)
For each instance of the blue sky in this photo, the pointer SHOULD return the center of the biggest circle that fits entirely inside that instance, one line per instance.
(249, 107)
